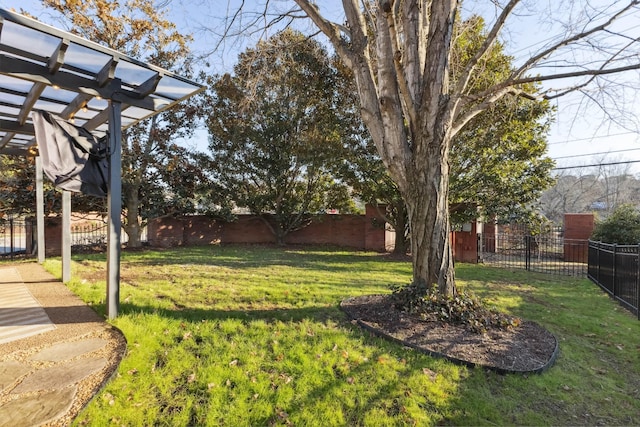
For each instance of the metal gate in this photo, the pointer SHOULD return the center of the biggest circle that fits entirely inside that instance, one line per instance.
(547, 253)
(16, 237)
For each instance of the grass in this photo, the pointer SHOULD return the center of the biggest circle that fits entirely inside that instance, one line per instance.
(251, 336)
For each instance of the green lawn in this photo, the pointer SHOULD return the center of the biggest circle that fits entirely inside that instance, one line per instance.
(253, 336)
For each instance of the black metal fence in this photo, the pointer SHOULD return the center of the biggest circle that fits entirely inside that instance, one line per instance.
(16, 237)
(93, 236)
(546, 253)
(89, 236)
(616, 269)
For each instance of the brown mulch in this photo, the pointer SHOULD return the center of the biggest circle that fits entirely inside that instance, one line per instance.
(523, 349)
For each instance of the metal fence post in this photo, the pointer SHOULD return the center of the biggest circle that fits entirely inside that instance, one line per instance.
(11, 237)
(598, 261)
(638, 282)
(527, 253)
(615, 271)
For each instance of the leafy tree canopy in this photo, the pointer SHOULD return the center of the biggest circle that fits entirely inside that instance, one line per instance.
(275, 130)
(414, 100)
(498, 160)
(18, 191)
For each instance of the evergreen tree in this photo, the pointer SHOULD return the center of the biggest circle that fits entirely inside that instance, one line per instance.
(275, 132)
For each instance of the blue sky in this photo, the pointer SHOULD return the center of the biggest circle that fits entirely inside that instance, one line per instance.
(576, 134)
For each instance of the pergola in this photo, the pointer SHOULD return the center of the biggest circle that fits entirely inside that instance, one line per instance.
(104, 91)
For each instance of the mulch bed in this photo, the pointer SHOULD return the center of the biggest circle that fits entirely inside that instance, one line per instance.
(528, 348)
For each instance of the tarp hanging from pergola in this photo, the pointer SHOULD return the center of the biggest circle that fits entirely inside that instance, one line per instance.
(103, 91)
(72, 157)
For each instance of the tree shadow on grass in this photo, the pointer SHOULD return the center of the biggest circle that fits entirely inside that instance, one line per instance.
(389, 396)
(317, 313)
(254, 256)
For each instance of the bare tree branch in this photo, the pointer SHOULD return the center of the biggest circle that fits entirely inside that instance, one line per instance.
(500, 88)
(329, 29)
(517, 78)
(593, 77)
(486, 103)
(527, 65)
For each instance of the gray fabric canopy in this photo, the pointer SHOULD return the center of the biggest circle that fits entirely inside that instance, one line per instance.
(72, 158)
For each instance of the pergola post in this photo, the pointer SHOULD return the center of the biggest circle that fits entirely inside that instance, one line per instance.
(89, 75)
(66, 236)
(40, 209)
(114, 204)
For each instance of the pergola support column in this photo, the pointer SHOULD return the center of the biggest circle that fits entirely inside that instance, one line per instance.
(66, 236)
(40, 210)
(114, 205)
(119, 82)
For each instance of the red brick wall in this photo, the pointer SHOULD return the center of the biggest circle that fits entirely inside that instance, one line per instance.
(577, 230)
(465, 245)
(53, 236)
(490, 231)
(340, 230)
(356, 231)
(376, 237)
(578, 226)
(166, 232)
(246, 229)
(365, 232)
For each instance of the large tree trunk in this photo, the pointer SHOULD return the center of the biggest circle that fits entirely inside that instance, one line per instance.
(428, 208)
(401, 245)
(132, 224)
(275, 228)
(402, 75)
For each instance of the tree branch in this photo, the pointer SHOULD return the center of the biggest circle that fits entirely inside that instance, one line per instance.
(500, 88)
(580, 36)
(407, 94)
(329, 29)
(516, 80)
(465, 76)
(593, 77)
(487, 102)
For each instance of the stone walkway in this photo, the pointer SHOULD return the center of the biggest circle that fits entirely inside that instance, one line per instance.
(20, 314)
(51, 365)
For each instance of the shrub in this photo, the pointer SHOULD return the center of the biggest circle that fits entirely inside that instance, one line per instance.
(621, 227)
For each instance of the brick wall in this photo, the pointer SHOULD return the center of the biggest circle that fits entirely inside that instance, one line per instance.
(365, 232)
(490, 231)
(53, 236)
(577, 230)
(465, 245)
